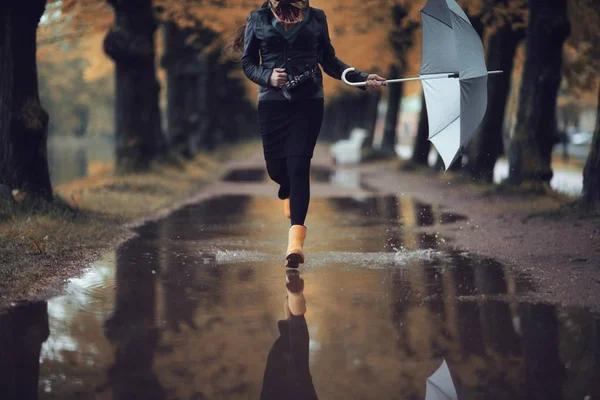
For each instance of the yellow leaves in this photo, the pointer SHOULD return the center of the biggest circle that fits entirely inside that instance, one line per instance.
(359, 30)
(73, 20)
(68, 6)
(513, 12)
(76, 200)
(91, 49)
(582, 53)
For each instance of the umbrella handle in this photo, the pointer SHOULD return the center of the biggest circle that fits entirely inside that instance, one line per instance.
(420, 78)
(347, 82)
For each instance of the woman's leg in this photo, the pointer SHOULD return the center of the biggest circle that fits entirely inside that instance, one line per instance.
(277, 170)
(298, 170)
(307, 124)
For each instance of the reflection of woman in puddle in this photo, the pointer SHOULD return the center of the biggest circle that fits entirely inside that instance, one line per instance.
(287, 374)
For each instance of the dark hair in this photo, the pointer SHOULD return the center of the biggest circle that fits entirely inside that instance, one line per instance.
(236, 45)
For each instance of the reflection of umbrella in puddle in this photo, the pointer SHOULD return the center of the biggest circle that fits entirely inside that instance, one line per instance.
(454, 77)
(440, 385)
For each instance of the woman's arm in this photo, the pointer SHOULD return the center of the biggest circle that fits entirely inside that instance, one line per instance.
(251, 58)
(332, 65)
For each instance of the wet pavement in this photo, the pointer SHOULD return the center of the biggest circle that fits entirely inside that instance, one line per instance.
(568, 180)
(192, 308)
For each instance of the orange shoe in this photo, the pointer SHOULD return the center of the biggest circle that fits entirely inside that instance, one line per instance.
(295, 254)
(295, 293)
(286, 208)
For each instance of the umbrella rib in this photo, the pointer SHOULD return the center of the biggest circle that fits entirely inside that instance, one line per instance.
(451, 122)
(459, 16)
(436, 18)
(439, 73)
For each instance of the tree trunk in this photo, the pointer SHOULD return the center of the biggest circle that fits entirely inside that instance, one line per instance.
(23, 330)
(188, 88)
(232, 91)
(351, 113)
(488, 144)
(372, 113)
(371, 125)
(388, 143)
(202, 137)
(210, 78)
(327, 123)
(591, 172)
(336, 112)
(361, 108)
(534, 136)
(422, 146)
(130, 43)
(348, 110)
(220, 91)
(344, 124)
(180, 90)
(23, 121)
(332, 118)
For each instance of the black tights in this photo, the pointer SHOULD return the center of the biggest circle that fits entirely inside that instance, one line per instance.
(293, 176)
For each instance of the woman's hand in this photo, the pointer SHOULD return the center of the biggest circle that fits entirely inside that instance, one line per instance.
(374, 81)
(278, 77)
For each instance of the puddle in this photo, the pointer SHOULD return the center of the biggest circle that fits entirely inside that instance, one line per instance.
(193, 308)
(246, 175)
(319, 174)
(395, 210)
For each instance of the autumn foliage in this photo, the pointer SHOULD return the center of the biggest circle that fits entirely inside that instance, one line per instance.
(359, 29)
(366, 36)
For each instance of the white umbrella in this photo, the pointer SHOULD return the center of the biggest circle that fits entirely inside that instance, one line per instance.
(454, 77)
(440, 385)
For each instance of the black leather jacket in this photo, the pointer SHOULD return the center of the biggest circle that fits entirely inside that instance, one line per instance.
(308, 48)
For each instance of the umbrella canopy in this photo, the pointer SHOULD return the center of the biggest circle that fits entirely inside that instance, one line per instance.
(440, 386)
(455, 107)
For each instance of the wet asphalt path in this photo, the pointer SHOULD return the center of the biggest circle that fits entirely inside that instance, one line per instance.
(191, 309)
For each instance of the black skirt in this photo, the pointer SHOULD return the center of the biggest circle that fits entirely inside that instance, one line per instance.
(290, 128)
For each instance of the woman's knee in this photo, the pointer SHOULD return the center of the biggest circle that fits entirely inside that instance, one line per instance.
(276, 176)
(277, 170)
(298, 167)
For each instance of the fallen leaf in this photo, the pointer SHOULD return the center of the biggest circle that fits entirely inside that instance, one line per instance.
(38, 247)
(75, 200)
